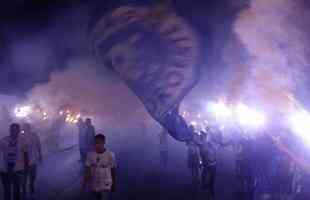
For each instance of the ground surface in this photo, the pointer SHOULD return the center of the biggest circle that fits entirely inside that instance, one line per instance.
(60, 178)
(139, 174)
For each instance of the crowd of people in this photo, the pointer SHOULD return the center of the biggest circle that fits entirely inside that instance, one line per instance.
(266, 166)
(21, 153)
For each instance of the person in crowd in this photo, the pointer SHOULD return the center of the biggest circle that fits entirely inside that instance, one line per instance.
(100, 171)
(35, 157)
(86, 138)
(283, 180)
(194, 161)
(163, 147)
(14, 160)
(302, 162)
(82, 140)
(245, 175)
(265, 166)
(210, 142)
(194, 165)
(56, 129)
(90, 134)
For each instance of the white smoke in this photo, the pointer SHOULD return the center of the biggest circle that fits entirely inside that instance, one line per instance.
(275, 34)
(86, 87)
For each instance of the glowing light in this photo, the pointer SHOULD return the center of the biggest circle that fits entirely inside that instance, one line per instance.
(220, 110)
(300, 124)
(61, 112)
(23, 111)
(249, 117)
(194, 123)
(222, 127)
(72, 118)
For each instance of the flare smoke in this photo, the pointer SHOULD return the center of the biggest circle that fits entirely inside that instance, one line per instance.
(275, 34)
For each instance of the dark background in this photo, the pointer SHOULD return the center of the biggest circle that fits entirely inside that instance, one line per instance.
(51, 23)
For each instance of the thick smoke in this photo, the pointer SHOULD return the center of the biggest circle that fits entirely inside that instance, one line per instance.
(88, 89)
(54, 64)
(275, 34)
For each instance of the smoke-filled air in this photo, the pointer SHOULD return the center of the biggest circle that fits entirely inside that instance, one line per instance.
(155, 99)
(275, 36)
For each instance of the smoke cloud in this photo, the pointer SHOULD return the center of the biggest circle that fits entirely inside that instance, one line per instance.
(275, 34)
(87, 88)
(53, 67)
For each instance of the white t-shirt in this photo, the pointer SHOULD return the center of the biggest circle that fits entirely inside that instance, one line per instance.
(34, 145)
(100, 166)
(12, 151)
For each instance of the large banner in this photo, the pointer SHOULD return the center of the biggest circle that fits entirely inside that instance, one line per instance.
(157, 54)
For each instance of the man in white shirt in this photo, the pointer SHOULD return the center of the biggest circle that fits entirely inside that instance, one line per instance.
(100, 170)
(35, 157)
(13, 161)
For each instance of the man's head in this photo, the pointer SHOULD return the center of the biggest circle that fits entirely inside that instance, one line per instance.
(26, 128)
(99, 143)
(80, 122)
(88, 122)
(14, 130)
